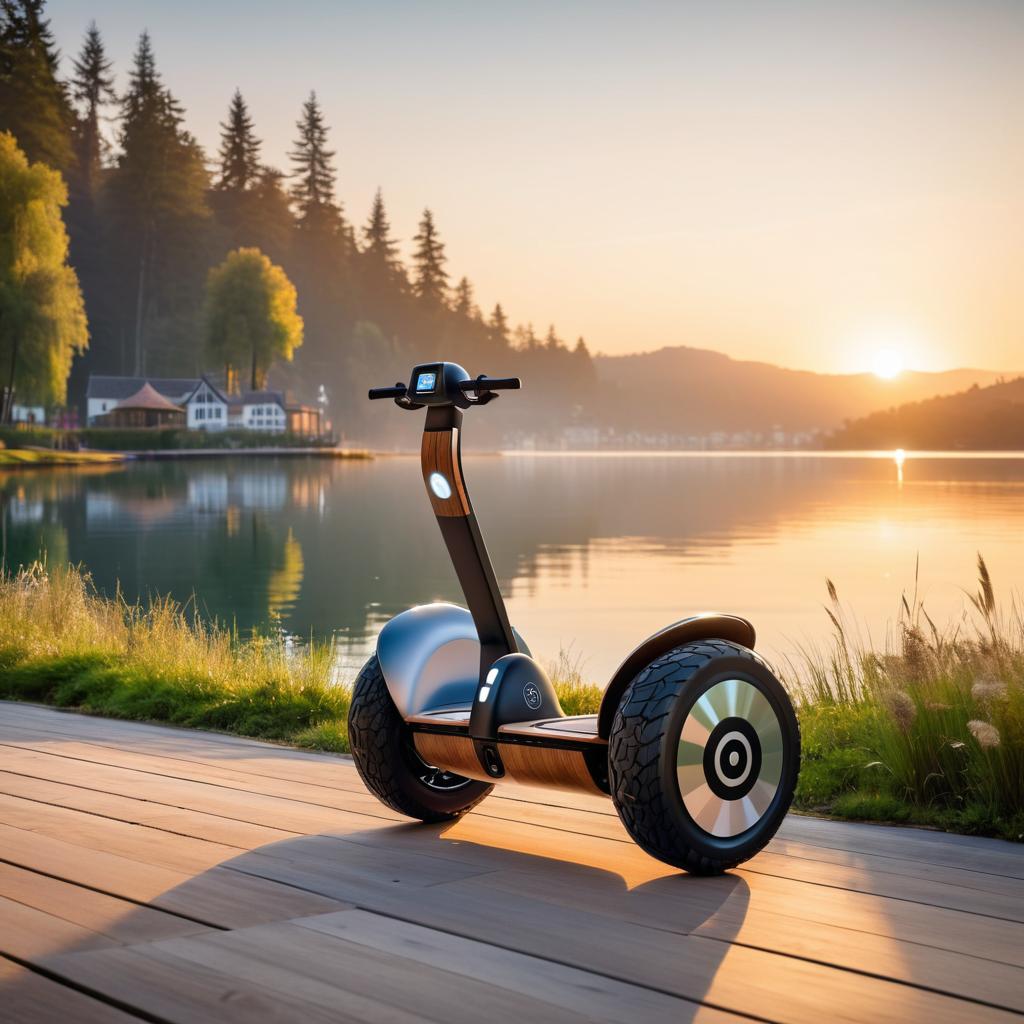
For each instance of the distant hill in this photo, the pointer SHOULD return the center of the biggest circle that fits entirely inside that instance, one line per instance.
(980, 418)
(691, 391)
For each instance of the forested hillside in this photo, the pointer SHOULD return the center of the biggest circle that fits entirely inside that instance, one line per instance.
(151, 213)
(989, 418)
(691, 391)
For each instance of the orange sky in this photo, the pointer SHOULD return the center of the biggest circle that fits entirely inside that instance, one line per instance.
(808, 183)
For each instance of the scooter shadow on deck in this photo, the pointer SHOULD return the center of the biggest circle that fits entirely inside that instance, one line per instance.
(419, 897)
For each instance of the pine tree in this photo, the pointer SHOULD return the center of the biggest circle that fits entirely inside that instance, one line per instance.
(313, 162)
(551, 340)
(157, 199)
(321, 255)
(268, 224)
(431, 282)
(462, 298)
(583, 371)
(34, 104)
(93, 88)
(497, 327)
(380, 250)
(382, 280)
(239, 149)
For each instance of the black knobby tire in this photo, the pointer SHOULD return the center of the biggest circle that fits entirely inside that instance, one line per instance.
(383, 751)
(642, 752)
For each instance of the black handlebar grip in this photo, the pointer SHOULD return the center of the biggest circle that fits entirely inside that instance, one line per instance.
(393, 392)
(492, 384)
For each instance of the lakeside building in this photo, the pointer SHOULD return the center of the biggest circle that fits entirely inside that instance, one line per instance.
(146, 408)
(203, 405)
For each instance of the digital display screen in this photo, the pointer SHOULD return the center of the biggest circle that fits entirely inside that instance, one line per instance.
(426, 381)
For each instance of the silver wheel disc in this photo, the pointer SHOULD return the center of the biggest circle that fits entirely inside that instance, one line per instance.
(729, 761)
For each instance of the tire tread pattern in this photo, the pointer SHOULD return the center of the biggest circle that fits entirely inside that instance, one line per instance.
(378, 739)
(634, 754)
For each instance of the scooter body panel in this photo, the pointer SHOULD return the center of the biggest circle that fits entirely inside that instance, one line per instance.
(430, 657)
(705, 626)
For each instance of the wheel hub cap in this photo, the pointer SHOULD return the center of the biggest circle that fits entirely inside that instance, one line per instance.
(729, 762)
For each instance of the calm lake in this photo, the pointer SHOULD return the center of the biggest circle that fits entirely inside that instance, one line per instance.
(593, 552)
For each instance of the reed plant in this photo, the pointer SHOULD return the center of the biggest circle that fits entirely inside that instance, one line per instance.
(928, 730)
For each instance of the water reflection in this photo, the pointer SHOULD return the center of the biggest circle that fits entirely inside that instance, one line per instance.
(593, 551)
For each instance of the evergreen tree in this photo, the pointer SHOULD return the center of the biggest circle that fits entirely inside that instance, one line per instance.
(382, 278)
(462, 298)
(320, 254)
(313, 162)
(269, 227)
(551, 340)
(497, 327)
(247, 198)
(157, 202)
(93, 86)
(380, 250)
(583, 371)
(34, 104)
(431, 281)
(239, 149)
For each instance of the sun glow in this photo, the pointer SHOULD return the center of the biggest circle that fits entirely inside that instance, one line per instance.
(888, 363)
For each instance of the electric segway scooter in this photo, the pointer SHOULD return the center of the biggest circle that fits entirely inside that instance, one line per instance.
(695, 741)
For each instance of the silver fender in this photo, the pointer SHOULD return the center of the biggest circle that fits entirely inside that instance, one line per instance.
(430, 657)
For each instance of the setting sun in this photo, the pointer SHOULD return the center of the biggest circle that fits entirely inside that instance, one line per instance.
(888, 363)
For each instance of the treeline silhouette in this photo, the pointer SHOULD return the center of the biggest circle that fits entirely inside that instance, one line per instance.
(980, 419)
(150, 214)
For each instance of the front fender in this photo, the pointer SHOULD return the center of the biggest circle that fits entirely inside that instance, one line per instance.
(430, 657)
(706, 626)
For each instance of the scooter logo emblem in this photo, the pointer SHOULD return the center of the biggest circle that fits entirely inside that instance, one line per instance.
(532, 696)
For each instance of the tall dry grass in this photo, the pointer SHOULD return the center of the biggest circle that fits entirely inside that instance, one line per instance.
(930, 729)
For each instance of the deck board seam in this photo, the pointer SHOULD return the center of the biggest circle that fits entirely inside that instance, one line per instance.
(393, 915)
(130, 821)
(564, 963)
(907, 982)
(101, 997)
(152, 803)
(531, 824)
(204, 782)
(653, 927)
(107, 892)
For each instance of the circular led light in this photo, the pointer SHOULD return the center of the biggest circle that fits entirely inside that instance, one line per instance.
(440, 486)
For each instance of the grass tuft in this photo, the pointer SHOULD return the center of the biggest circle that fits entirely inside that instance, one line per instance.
(930, 732)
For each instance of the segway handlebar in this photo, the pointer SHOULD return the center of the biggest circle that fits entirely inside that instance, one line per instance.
(398, 391)
(491, 384)
(445, 384)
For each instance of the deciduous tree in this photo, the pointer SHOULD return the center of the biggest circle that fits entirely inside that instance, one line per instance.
(250, 315)
(42, 317)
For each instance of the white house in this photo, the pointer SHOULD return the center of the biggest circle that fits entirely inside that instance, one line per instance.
(260, 410)
(207, 407)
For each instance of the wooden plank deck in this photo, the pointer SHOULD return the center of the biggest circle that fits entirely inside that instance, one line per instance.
(163, 875)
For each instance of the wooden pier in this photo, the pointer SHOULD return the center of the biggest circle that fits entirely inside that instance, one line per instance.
(171, 876)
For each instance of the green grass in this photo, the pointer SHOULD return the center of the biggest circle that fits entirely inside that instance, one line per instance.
(930, 733)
